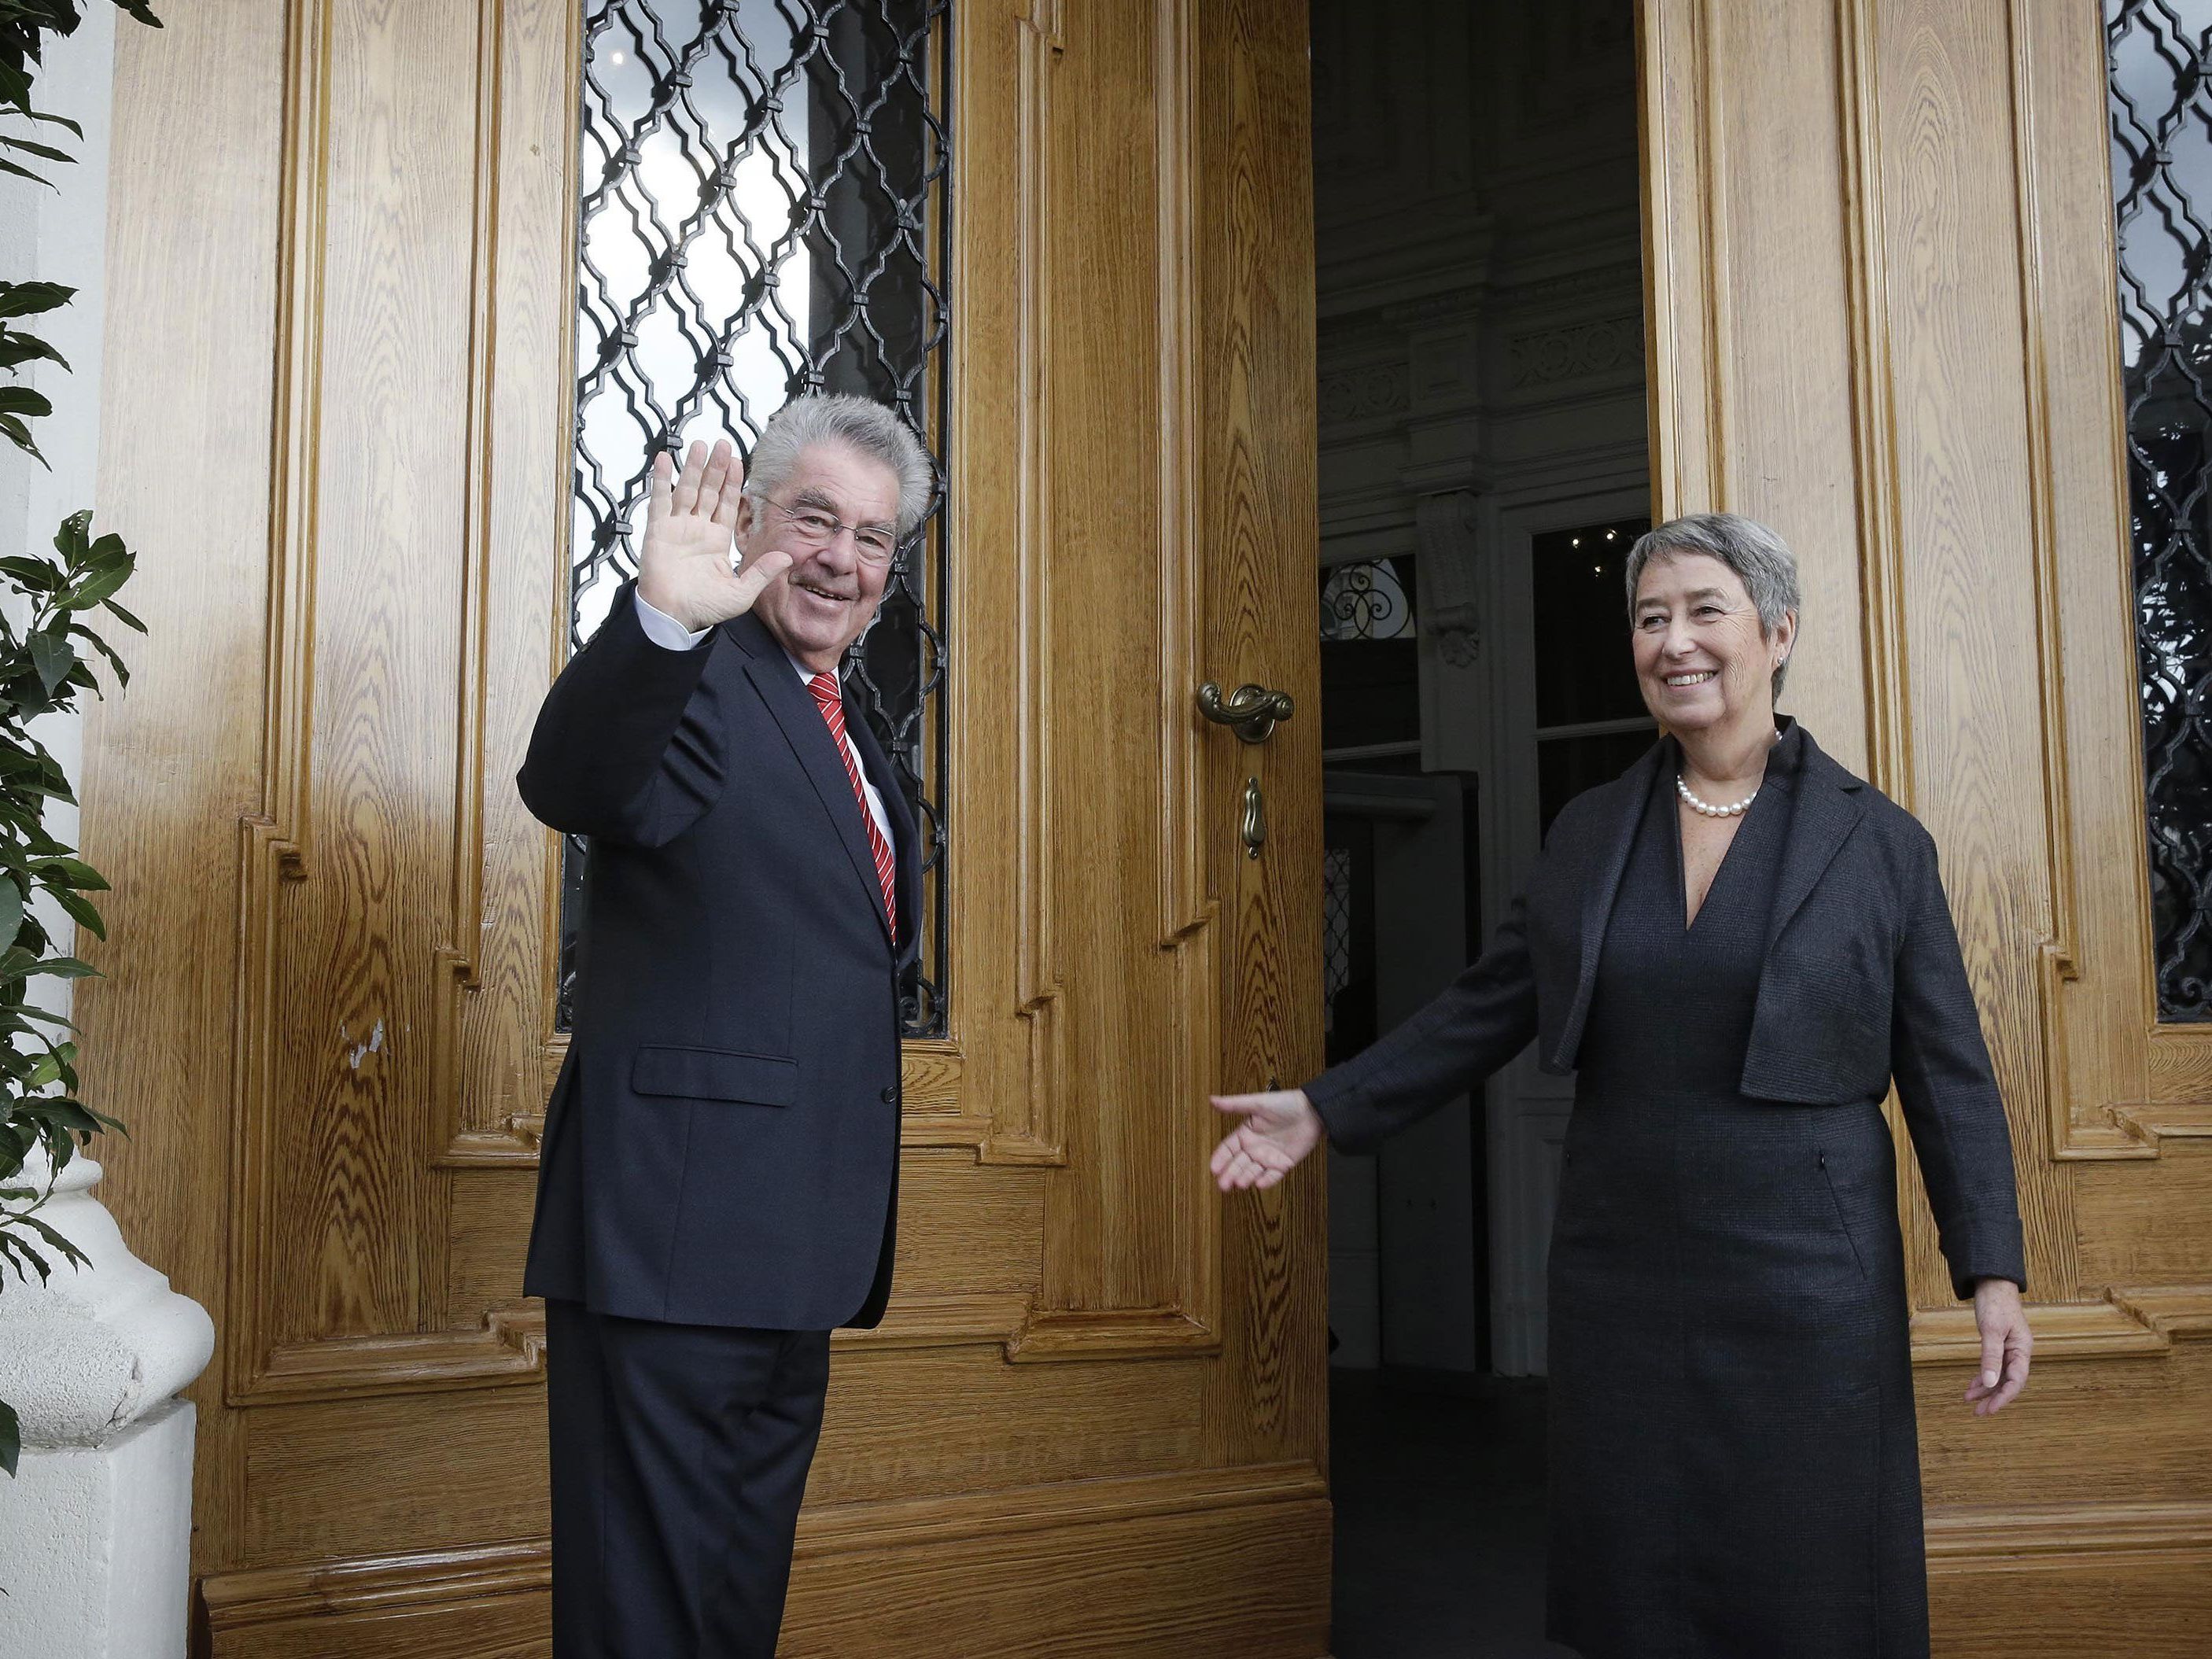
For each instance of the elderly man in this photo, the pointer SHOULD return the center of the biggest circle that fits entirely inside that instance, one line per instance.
(718, 1181)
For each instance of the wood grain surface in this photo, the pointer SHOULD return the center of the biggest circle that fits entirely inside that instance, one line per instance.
(1093, 1420)
(1880, 269)
(1911, 203)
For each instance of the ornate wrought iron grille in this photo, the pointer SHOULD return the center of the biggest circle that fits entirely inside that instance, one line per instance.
(1365, 602)
(764, 213)
(2158, 56)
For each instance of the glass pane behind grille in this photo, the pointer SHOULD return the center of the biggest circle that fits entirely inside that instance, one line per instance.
(763, 214)
(2159, 55)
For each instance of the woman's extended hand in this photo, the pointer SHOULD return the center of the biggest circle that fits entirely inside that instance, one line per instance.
(1280, 1126)
(2006, 1345)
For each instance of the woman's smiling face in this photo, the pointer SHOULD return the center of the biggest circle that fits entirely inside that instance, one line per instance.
(1702, 660)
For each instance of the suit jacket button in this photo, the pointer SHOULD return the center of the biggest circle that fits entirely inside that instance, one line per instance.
(890, 1096)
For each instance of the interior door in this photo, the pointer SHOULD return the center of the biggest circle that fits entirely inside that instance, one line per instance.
(1095, 1419)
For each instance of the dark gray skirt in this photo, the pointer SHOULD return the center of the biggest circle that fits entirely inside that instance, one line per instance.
(1734, 1468)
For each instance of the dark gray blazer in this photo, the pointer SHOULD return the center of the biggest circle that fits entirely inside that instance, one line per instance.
(722, 1147)
(1863, 986)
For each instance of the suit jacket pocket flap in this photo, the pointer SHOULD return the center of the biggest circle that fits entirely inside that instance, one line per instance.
(714, 1074)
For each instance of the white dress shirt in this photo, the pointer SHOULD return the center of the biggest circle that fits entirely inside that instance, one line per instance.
(664, 631)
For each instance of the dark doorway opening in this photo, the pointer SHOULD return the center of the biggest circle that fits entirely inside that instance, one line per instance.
(1483, 468)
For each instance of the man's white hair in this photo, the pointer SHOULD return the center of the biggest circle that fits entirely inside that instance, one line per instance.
(861, 424)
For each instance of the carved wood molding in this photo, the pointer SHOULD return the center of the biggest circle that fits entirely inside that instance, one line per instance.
(2150, 1124)
(509, 1346)
(1188, 926)
(457, 961)
(1048, 1334)
(274, 838)
(1039, 1138)
(1874, 407)
(1031, 1126)
(1963, 1540)
(2104, 1120)
(948, 1320)
(240, 1601)
(2130, 1323)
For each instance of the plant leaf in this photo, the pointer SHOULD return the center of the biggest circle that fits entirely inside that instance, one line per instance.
(81, 909)
(53, 657)
(126, 618)
(11, 1439)
(60, 1243)
(21, 400)
(11, 913)
(53, 120)
(98, 586)
(27, 299)
(115, 664)
(75, 872)
(68, 968)
(43, 152)
(19, 434)
(14, 1248)
(16, 349)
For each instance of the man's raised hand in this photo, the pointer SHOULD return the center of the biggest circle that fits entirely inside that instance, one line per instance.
(690, 525)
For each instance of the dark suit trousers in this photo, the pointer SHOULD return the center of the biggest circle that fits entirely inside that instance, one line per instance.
(679, 1455)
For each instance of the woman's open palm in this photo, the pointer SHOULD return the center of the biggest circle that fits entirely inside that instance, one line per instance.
(1280, 1126)
(690, 525)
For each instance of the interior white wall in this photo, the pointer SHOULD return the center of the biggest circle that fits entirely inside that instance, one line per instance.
(1481, 365)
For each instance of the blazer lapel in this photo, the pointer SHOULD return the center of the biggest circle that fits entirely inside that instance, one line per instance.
(1830, 804)
(808, 733)
(1614, 836)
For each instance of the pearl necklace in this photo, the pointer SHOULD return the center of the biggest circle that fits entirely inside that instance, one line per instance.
(1706, 808)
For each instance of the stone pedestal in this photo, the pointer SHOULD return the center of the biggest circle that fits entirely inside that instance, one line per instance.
(96, 1529)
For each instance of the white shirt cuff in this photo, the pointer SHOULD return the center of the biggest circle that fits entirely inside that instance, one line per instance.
(663, 629)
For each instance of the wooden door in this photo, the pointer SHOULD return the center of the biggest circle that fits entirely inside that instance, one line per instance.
(341, 292)
(1882, 289)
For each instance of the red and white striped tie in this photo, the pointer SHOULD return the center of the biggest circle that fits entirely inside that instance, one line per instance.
(831, 701)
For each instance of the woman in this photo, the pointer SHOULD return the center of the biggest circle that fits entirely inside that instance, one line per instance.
(1737, 946)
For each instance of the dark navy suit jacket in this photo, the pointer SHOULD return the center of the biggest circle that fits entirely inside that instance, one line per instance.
(1864, 984)
(722, 1147)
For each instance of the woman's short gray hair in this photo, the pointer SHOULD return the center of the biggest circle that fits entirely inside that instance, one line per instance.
(1761, 560)
(861, 424)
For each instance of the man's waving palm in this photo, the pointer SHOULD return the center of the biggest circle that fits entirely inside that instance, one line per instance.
(683, 568)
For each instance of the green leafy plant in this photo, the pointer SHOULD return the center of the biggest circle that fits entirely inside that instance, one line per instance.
(45, 604)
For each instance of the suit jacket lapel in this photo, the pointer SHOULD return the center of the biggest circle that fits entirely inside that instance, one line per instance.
(1830, 804)
(1614, 836)
(808, 733)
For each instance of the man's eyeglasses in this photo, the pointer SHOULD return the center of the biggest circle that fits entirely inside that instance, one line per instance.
(874, 543)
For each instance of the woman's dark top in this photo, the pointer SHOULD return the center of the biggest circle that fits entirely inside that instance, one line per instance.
(1734, 1468)
(1728, 1365)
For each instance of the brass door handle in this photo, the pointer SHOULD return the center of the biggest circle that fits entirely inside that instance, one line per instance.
(1252, 710)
